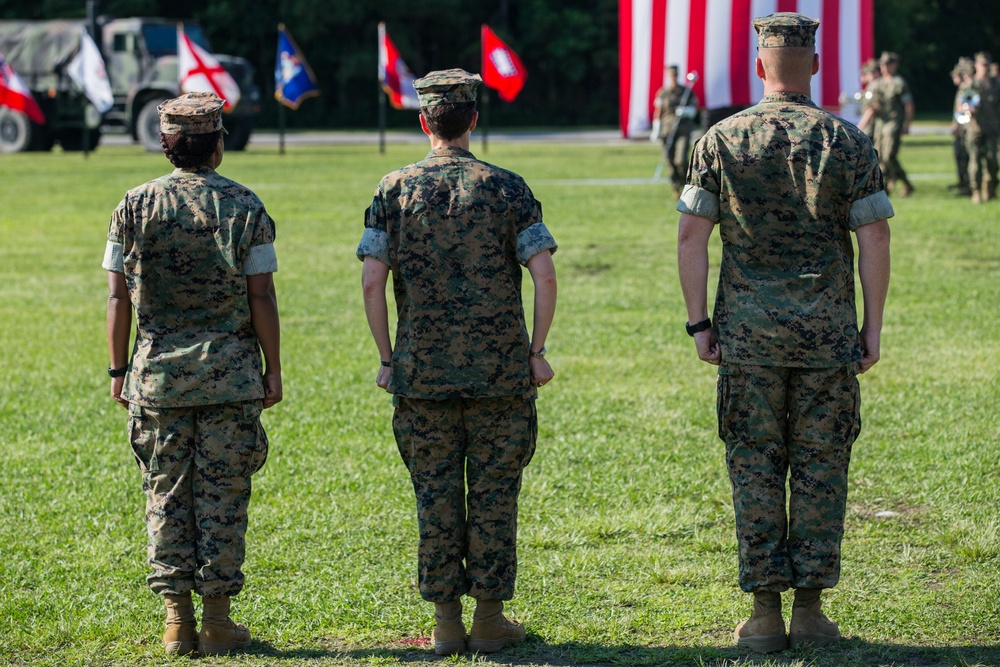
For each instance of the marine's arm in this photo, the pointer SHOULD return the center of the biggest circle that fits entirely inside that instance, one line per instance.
(543, 275)
(873, 270)
(264, 319)
(374, 278)
(119, 321)
(693, 233)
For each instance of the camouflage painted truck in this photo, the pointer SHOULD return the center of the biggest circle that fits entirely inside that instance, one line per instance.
(140, 56)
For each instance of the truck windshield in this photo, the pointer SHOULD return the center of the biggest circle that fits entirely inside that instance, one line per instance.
(161, 40)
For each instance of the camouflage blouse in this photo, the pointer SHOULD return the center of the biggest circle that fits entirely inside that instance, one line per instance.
(187, 241)
(455, 232)
(787, 183)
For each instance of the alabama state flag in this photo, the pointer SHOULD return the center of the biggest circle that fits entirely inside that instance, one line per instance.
(200, 72)
(503, 71)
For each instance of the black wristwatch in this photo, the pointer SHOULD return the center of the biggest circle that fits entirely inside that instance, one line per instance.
(692, 329)
(118, 372)
(537, 355)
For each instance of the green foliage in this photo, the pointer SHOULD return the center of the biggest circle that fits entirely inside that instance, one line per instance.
(627, 547)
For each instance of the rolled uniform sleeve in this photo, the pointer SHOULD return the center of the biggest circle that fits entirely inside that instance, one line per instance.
(701, 193)
(260, 259)
(533, 236)
(114, 250)
(870, 202)
(375, 239)
(259, 256)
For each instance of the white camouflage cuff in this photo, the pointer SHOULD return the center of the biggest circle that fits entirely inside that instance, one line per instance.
(871, 209)
(260, 259)
(114, 257)
(700, 202)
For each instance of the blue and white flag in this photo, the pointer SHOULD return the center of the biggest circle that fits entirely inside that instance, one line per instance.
(293, 79)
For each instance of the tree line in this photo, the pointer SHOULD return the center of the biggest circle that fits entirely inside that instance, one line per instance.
(569, 47)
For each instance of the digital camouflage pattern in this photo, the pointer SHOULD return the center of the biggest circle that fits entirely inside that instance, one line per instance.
(455, 232)
(798, 424)
(785, 29)
(196, 464)
(447, 86)
(676, 142)
(890, 95)
(490, 440)
(193, 113)
(186, 238)
(787, 182)
(982, 131)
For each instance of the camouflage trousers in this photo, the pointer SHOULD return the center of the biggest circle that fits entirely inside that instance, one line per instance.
(196, 465)
(676, 153)
(887, 143)
(468, 536)
(796, 424)
(982, 150)
(961, 153)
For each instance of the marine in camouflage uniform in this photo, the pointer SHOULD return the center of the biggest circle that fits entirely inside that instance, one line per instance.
(192, 254)
(868, 123)
(982, 130)
(786, 183)
(677, 107)
(455, 232)
(961, 76)
(892, 103)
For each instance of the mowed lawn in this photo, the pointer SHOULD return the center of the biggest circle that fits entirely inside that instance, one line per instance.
(627, 545)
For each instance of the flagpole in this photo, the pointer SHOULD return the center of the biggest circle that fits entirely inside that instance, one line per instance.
(486, 119)
(281, 128)
(381, 120)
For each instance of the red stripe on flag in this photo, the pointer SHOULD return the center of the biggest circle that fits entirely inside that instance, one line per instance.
(787, 6)
(829, 60)
(659, 37)
(697, 22)
(624, 63)
(867, 29)
(739, 53)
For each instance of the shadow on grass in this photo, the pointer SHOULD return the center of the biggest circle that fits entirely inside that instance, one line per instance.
(847, 653)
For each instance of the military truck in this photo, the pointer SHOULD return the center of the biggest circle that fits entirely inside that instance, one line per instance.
(140, 56)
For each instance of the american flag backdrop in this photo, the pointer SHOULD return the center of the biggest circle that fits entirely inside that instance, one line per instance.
(716, 39)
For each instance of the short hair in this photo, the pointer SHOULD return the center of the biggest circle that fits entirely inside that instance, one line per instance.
(449, 121)
(673, 70)
(788, 61)
(189, 150)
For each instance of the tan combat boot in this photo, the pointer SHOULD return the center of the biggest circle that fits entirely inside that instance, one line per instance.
(449, 631)
(764, 631)
(219, 635)
(491, 630)
(181, 636)
(809, 625)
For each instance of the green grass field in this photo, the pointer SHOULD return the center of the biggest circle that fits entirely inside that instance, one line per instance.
(627, 544)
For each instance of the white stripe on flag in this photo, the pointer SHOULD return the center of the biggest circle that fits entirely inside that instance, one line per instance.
(850, 47)
(642, 37)
(718, 27)
(678, 14)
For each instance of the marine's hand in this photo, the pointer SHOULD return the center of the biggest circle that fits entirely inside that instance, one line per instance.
(116, 391)
(541, 372)
(272, 389)
(869, 349)
(383, 377)
(708, 346)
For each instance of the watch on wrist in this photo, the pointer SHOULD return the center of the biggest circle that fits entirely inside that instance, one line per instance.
(537, 355)
(118, 372)
(387, 364)
(692, 329)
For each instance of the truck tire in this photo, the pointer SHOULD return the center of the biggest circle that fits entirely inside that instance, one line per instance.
(147, 125)
(16, 130)
(239, 130)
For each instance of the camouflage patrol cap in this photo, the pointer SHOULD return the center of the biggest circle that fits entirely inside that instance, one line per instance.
(984, 58)
(888, 57)
(447, 86)
(194, 113)
(785, 29)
